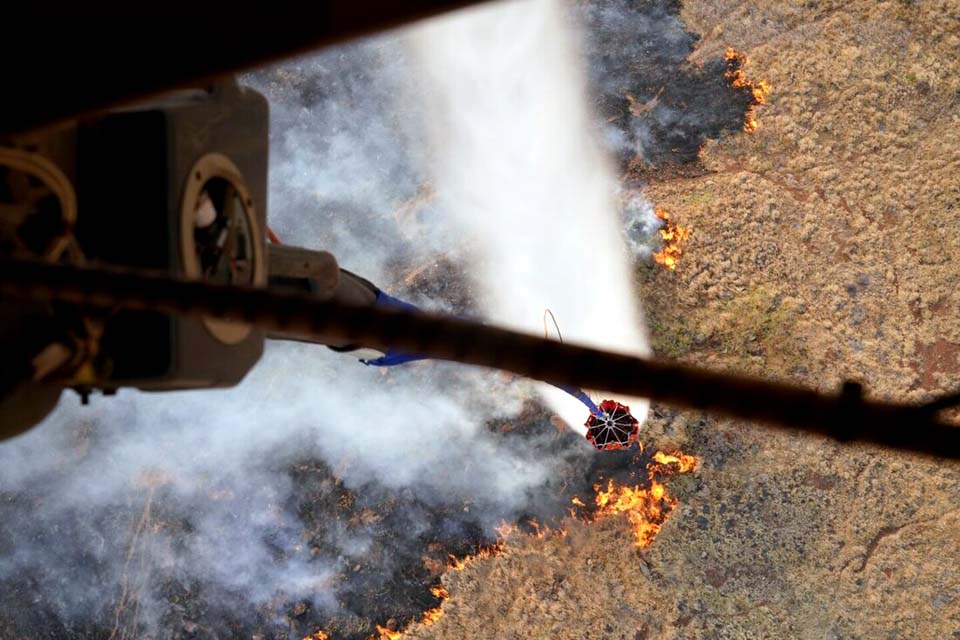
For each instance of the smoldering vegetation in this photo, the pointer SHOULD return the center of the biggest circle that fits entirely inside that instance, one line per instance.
(319, 493)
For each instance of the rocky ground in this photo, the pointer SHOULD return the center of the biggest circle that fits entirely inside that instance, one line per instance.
(825, 247)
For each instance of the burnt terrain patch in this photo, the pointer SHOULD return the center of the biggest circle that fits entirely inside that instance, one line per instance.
(657, 107)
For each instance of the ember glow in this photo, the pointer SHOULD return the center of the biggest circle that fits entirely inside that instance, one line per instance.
(684, 462)
(760, 90)
(673, 236)
(384, 633)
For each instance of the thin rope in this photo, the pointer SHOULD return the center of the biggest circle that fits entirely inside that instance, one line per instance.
(584, 397)
(547, 312)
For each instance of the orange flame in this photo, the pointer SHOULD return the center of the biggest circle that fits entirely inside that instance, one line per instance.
(431, 615)
(457, 564)
(673, 237)
(387, 634)
(646, 508)
(489, 551)
(319, 635)
(759, 90)
(684, 462)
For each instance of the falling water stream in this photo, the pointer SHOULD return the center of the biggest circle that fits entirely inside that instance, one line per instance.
(517, 163)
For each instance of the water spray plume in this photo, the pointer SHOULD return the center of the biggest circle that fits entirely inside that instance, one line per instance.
(519, 170)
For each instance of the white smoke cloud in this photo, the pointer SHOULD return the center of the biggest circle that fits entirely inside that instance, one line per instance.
(640, 224)
(219, 462)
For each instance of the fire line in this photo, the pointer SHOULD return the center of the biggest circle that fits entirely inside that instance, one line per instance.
(646, 510)
(759, 90)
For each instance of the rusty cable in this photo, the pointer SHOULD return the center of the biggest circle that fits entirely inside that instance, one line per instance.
(846, 417)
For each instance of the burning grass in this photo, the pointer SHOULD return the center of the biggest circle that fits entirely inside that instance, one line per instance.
(760, 89)
(430, 616)
(673, 236)
(645, 508)
(383, 633)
